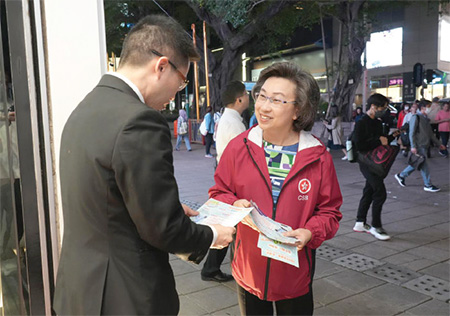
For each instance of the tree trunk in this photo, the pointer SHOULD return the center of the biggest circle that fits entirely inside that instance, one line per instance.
(349, 74)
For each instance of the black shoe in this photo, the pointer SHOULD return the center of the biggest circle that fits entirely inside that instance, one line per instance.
(219, 277)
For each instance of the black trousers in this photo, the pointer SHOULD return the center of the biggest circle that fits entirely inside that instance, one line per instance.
(208, 143)
(250, 304)
(213, 262)
(373, 193)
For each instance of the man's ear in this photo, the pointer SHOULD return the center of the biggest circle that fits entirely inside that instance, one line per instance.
(161, 65)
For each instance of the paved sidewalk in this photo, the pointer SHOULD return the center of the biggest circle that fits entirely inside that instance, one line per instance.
(355, 273)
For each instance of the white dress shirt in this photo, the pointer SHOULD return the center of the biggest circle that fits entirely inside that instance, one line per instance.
(230, 126)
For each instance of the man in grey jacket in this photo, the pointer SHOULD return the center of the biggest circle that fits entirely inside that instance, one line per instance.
(420, 136)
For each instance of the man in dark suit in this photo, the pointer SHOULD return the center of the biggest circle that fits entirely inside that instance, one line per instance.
(121, 206)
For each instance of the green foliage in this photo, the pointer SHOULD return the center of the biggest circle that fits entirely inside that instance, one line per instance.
(231, 11)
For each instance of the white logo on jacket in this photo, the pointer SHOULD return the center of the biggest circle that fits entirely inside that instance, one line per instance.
(304, 185)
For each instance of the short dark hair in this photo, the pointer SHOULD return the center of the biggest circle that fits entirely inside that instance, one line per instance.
(376, 99)
(423, 102)
(233, 90)
(159, 33)
(307, 92)
(435, 99)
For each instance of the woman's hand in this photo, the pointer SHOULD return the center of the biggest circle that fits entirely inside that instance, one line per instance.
(247, 219)
(383, 140)
(302, 235)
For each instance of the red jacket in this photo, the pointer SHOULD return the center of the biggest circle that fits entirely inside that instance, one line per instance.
(243, 174)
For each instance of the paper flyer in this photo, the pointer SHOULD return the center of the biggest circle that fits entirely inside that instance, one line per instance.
(271, 228)
(278, 251)
(216, 212)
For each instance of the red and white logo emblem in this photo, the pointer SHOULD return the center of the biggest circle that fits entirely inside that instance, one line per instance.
(304, 186)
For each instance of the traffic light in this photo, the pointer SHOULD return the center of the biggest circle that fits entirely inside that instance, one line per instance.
(418, 74)
(433, 76)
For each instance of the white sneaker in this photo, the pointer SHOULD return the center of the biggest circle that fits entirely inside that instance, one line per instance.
(360, 227)
(344, 158)
(379, 233)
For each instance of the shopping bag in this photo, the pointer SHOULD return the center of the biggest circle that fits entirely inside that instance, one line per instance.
(415, 160)
(379, 160)
(183, 128)
(203, 129)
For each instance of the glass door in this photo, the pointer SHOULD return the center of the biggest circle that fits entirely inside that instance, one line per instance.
(13, 283)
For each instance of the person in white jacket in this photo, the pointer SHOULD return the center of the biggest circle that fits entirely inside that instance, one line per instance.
(336, 133)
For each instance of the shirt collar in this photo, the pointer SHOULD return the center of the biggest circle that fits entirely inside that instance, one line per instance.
(128, 82)
(234, 113)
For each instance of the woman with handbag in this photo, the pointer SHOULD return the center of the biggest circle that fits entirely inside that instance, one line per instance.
(368, 135)
(182, 131)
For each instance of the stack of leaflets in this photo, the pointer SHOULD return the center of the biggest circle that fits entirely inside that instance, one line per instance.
(271, 240)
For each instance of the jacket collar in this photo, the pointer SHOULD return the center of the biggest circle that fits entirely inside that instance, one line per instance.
(306, 139)
(115, 82)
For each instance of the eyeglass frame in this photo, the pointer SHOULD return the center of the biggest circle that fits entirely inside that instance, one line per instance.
(180, 74)
(271, 100)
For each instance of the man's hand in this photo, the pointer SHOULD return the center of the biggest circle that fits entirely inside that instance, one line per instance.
(224, 236)
(303, 237)
(414, 150)
(442, 147)
(188, 211)
(242, 203)
(383, 140)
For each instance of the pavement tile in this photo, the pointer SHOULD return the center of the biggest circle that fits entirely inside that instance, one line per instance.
(434, 254)
(401, 258)
(440, 270)
(441, 244)
(375, 250)
(224, 298)
(326, 291)
(180, 267)
(232, 311)
(353, 281)
(419, 264)
(326, 268)
(188, 307)
(430, 286)
(191, 282)
(432, 308)
(393, 274)
(344, 242)
(358, 262)
(360, 304)
(400, 298)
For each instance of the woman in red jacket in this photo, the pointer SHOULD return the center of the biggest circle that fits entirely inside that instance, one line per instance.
(289, 174)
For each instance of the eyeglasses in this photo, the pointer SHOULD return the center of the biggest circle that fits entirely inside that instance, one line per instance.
(184, 82)
(259, 97)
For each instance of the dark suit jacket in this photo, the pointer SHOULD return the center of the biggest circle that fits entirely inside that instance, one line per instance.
(122, 214)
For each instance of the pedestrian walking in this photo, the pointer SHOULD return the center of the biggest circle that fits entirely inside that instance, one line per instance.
(443, 119)
(235, 99)
(368, 135)
(182, 130)
(287, 172)
(209, 122)
(421, 135)
(122, 215)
